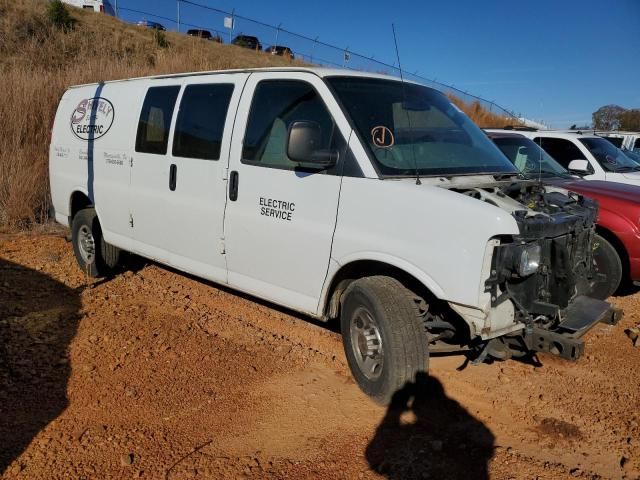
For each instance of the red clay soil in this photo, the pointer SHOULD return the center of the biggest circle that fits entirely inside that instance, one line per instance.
(154, 374)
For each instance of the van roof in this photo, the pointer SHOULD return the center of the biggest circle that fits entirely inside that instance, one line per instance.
(319, 71)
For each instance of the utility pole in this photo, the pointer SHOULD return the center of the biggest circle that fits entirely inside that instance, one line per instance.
(313, 49)
(117, 9)
(178, 4)
(277, 32)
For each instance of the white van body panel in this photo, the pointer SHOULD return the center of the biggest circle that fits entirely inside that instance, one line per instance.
(285, 261)
(414, 238)
(442, 238)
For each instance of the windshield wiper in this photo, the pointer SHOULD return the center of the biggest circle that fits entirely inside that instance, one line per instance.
(535, 173)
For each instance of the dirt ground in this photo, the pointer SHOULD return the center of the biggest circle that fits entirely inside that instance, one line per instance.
(154, 374)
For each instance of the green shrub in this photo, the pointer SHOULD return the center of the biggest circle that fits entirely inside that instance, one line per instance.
(160, 38)
(59, 16)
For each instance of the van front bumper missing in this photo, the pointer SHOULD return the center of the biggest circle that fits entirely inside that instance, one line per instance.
(578, 318)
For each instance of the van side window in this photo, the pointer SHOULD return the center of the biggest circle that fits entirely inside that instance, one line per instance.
(276, 105)
(201, 119)
(563, 151)
(155, 119)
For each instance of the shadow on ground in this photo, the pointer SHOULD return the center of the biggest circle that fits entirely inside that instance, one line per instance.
(426, 434)
(38, 320)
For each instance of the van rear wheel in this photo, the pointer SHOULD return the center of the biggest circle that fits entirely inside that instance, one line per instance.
(383, 336)
(94, 256)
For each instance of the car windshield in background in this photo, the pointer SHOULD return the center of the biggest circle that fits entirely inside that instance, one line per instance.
(617, 141)
(529, 158)
(411, 129)
(609, 156)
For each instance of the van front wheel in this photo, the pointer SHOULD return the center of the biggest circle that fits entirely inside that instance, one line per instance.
(94, 256)
(383, 336)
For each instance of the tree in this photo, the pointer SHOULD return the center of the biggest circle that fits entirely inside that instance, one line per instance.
(607, 117)
(59, 16)
(630, 120)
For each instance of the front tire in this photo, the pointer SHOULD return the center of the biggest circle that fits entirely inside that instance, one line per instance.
(607, 262)
(383, 336)
(94, 256)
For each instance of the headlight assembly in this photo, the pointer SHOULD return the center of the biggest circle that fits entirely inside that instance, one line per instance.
(529, 260)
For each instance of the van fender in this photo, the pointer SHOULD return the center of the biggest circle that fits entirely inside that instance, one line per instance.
(335, 265)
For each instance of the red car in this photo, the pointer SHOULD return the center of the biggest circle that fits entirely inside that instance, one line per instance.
(618, 217)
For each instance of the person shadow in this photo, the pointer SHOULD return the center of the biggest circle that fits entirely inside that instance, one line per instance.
(427, 435)
(38, 320)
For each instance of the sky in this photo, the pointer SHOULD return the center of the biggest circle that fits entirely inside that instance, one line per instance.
(552, 60)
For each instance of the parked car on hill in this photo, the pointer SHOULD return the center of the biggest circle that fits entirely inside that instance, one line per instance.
(196, 32)
(303, 187)
(280, 50)
(247, 41)
(590, 156)
(204, 34)
(618, 250)
(151, 25)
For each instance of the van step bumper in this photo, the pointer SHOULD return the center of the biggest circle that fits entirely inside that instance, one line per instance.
(564, 340)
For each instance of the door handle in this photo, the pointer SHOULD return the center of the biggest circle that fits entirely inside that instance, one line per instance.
(173, 176)
(233, 186)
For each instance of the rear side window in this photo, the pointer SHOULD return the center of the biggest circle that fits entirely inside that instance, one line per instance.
(563, 151)
(155, 120)
(201, 119)
(276, 105)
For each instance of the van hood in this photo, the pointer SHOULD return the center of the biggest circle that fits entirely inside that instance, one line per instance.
(539, 210)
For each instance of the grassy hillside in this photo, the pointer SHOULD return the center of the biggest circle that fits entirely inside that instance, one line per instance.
(38, 61)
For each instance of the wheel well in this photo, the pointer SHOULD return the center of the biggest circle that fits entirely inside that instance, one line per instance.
(78, 202)
(619, 248)
(366, 268)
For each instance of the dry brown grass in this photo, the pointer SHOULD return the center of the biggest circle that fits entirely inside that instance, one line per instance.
(38, 62)
(481, 116)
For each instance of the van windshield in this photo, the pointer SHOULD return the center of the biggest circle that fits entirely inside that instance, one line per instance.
(411, 129)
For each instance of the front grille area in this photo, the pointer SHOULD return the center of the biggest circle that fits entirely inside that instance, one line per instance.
(566, 263)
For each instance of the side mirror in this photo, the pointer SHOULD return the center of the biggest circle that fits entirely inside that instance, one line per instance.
(579, 166)
(303, 145)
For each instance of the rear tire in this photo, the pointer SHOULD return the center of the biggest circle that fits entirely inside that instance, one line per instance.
(607, 262)
(94, 256)
(384, 337)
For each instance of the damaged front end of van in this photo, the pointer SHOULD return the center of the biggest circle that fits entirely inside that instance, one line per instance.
(546, 272)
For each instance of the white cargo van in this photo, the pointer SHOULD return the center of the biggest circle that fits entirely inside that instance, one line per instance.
(337, 194)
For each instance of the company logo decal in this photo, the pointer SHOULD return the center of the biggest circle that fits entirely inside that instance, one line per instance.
(382, 137)
(92, 118)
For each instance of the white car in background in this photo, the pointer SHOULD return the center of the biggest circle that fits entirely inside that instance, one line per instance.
(625, 140)
(590, 156)
(101, 6)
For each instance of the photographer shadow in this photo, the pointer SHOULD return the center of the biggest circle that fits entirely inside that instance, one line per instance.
(38, 320)
(425, 434)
